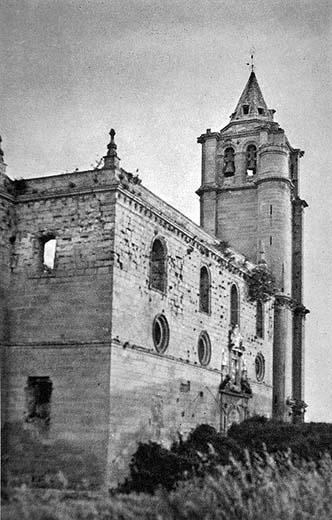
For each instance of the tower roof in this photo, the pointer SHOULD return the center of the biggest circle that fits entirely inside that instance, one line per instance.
(251, 104)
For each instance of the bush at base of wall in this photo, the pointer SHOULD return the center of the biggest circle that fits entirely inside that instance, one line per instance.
(205, 450)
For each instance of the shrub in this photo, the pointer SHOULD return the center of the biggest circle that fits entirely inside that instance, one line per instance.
(261, 284)
(239, 491)
(306, 441)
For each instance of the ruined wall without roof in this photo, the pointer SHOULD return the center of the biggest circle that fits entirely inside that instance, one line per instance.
(60, 319)
(154, 396)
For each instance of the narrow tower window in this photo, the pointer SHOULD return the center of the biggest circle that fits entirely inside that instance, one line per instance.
(48, 251)
(245, 109)
(259, 320)
(234, 306)
(229, 167)
(204, 290)
(251, 160)
(158, 266)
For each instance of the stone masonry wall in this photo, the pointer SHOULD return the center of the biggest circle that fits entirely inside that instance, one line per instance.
(60, 319)
(156, 395)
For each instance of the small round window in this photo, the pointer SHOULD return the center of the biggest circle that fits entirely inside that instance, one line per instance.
(160, 333)
(204, 348)
(260, 367)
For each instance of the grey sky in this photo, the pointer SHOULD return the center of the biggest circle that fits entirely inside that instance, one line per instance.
(161, 72)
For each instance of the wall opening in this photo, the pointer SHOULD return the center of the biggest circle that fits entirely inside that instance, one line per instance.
(204, 348)
(260, 367)
(229, 166)
(160, 333)
(245, 109)
(204, 290)
(38, 400)
(251, 160)
(48, 252)
(234, 306)
(158, 266)
(259, 319)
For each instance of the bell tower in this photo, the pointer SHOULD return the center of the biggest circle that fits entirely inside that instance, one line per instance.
(249, 198)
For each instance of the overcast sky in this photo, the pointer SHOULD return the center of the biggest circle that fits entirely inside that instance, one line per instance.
(161, 72)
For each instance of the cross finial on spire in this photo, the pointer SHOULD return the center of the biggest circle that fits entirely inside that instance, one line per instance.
(252, 61)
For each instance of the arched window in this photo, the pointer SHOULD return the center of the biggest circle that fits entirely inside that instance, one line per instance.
(204, 290)
(251, 160)
(234, 306)
(229, 167)
(158, 266)
(259, 319)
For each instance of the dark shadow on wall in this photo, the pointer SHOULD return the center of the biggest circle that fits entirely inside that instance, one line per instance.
(57, 464)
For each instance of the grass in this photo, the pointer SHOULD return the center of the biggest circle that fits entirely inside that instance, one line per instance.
(258, 489)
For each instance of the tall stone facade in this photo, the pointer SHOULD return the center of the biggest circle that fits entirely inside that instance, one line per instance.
(250, 198)
(123, 321)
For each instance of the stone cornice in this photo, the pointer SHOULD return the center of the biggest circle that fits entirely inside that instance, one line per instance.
(274, 178)
(193, 240)
(57, 344)
(128, 346)
(209, 135)
(300, 202)
(206, 188)
(7, 196)
(301, 310)
(250, 186)
(282, 300)
(66, 193)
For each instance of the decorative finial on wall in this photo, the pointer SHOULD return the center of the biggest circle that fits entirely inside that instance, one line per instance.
(111, 159)
(112, 146)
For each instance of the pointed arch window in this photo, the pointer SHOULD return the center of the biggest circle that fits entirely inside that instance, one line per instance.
(234, 306)
(158, 265)
(259, 319)
(229, 165)
(204, 290)
(251, 160)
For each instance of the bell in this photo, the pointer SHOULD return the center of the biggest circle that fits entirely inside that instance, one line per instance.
(229, 168)
(251, 164)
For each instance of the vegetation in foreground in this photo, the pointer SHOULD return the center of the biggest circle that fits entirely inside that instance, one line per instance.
(263, 470)
(256, 489)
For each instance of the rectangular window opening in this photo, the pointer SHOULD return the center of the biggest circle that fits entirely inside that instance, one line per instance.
(271, 210)
(245, 109)
(270, 241)
(48, 245)
(38, 400)
(261, 111)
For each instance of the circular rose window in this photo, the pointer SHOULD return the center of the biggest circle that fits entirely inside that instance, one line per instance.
(160, 333)
(204, 348)
(260, 367)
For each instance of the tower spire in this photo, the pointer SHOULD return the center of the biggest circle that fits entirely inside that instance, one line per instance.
(251, 104)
